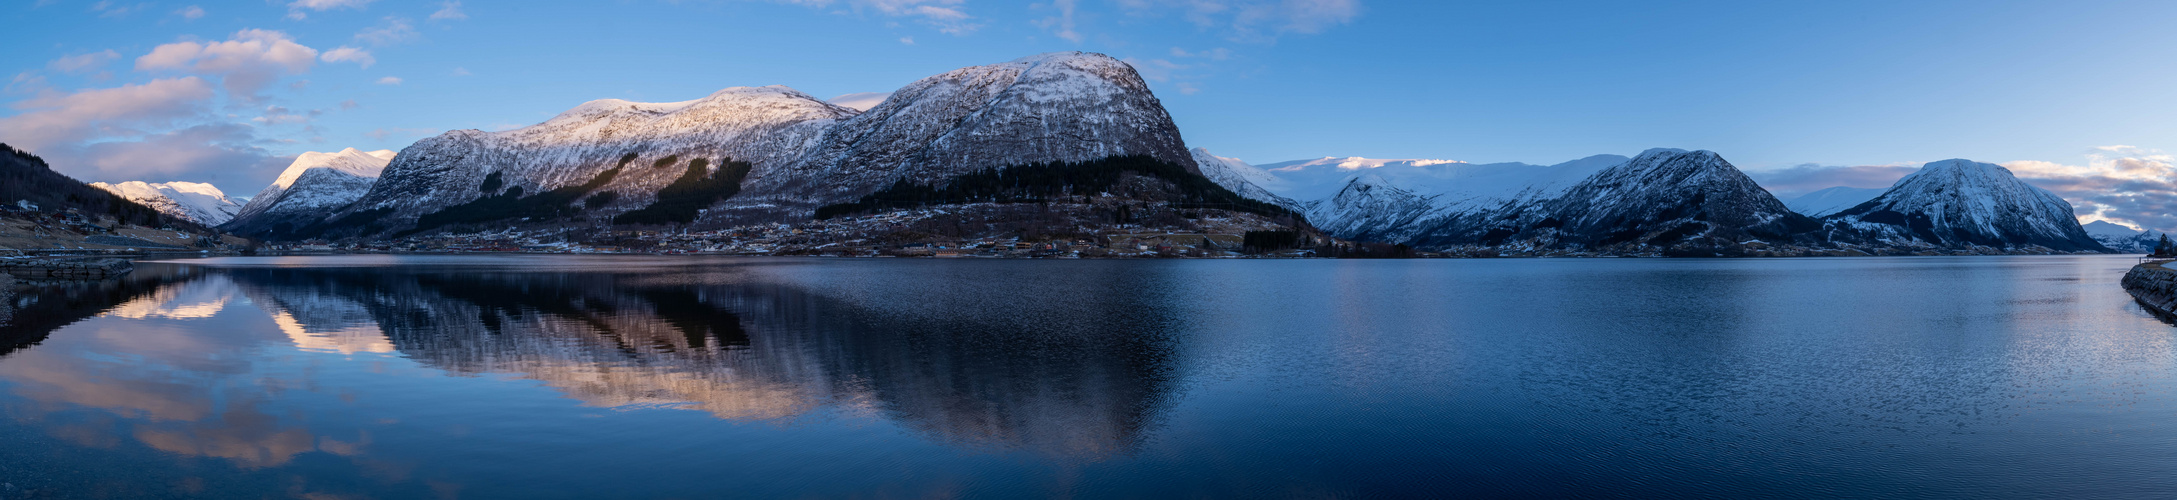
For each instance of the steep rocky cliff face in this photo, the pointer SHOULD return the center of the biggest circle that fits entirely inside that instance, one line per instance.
(785, 154)
(1058, 107)
(645, 146)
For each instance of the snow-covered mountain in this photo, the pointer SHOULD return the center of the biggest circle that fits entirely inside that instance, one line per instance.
(196, 202)
(1664, 199)
(311, 187)
(2121, 238)
(1668, 198)
(646, 145)
(1963, 203)
(802, 152)
(1319, 178)
(1823, 202)
(1241, 178)
(1056, 107)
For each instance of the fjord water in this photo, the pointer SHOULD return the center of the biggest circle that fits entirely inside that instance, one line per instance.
(602, 377)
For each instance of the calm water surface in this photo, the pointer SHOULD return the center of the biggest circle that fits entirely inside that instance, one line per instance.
(573, 377)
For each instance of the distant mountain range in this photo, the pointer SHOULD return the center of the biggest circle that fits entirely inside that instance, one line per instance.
(1664, 201)
(1084, 131)
(196, 202)
(2123, 239)
(26, 178)
(1086, 123)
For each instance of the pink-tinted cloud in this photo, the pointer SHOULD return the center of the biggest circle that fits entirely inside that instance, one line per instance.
(225, 154)
(246, 63)
(2120, 184)
(54, 120)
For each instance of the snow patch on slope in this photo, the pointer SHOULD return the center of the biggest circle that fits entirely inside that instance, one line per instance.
(1241, 178)
(313, 185)
(1827, 201)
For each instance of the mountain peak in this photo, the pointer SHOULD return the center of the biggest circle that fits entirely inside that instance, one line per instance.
(2102, 228)
(1962, 202)
(1670, 151)
(1054, 107)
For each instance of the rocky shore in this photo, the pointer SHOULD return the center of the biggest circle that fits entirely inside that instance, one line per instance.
(2154, 285)
(36, 269)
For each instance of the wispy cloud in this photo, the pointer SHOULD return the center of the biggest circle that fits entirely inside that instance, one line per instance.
(1254, 20)
(349, 54)
(81, 63)
(276, 115)
(108, 8)
(449, 11)
(390, 31)
(190, 13)
(295, 9)
(390, 80)
(1062, 24)
(947, 16)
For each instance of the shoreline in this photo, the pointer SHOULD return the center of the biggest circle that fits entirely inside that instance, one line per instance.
(2154, 286)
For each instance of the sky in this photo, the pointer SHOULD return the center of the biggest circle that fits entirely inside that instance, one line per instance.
(2075, 97)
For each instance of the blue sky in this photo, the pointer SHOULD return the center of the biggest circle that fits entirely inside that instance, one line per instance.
(2073, 95)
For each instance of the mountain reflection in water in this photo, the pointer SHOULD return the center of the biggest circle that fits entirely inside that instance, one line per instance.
(575, 377)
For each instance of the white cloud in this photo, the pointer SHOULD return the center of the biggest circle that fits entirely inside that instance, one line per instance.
(349, 104)
(449, 11)
(54, 120)
(907, 40)
(947, 16)
(2123, 184)
(1063, 22)
(349, 54)
(245, 63)
(25, 82)
(1257, 20)
(390, 80)
(275, 115)
(461, 71)
(83, 62)
(392, 30)
(295, 9)
(106, 8)
(191, 12)
(1217, 54)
